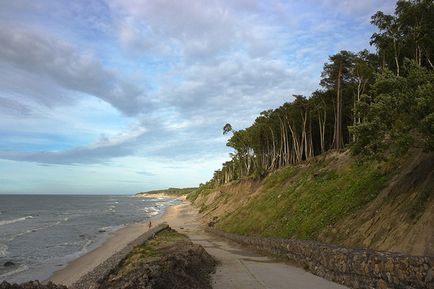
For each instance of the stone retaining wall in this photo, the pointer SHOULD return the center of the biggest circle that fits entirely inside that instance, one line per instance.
(356, 268)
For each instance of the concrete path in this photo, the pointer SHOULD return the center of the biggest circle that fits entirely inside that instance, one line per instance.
(240, 268)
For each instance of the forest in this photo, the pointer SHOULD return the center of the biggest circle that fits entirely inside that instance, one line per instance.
(376, 104)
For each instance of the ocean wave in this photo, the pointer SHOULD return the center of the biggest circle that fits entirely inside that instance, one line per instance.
(3, 249)
(28, 231)
(162, 204)
(107, 229)
(85, 246)
(20, 268)
(6, 222)
(151, 211)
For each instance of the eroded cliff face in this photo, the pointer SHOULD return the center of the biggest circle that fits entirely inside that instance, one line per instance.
(332, 199)
(400, 218)
(227, 199)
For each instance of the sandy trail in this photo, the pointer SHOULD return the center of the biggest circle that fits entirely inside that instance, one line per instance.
(241, 268)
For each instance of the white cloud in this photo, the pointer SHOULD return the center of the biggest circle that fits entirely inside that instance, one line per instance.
(55, 61)
(194, 29)
(228, 86)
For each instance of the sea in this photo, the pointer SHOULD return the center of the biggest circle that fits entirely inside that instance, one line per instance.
(40, 234)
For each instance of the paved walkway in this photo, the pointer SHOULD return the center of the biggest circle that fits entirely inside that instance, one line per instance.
(240, 268)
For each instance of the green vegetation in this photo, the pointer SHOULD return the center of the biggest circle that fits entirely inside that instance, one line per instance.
(300, 200)
(169, 191)
(204, 189)
(377, 103)
(150, 250)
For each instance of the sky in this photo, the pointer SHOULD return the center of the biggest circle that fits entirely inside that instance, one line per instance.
(122, 96)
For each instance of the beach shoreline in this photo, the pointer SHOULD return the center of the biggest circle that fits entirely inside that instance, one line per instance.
(120, 239)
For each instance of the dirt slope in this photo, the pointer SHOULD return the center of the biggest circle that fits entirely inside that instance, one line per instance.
(401, 218)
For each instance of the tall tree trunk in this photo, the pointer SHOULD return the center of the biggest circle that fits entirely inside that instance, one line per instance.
(308, 136)
(338, 142)
(268, 161)
(427, 58)
(249, 162)
(303, 133)
(282, 142)
(273, 139)
(395, 49)
(298, 147)
(288, 145)
(321, 134)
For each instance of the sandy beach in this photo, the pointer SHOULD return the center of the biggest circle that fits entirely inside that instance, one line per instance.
(120, 239)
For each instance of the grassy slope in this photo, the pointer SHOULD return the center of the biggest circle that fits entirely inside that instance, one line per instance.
(151, 250)
(299, 201)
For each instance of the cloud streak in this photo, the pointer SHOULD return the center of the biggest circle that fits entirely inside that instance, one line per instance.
(99, 152)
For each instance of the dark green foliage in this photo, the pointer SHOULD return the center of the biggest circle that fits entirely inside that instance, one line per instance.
(400, 114)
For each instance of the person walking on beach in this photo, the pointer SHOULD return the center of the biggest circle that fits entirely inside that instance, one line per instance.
(150, 224)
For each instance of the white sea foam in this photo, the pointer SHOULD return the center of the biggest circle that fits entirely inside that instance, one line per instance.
(28, 231)
(85, 246)
(6, 222)
(151, 211)
(107, 229)
(20, 268)
(3, 250)
(161, 204)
